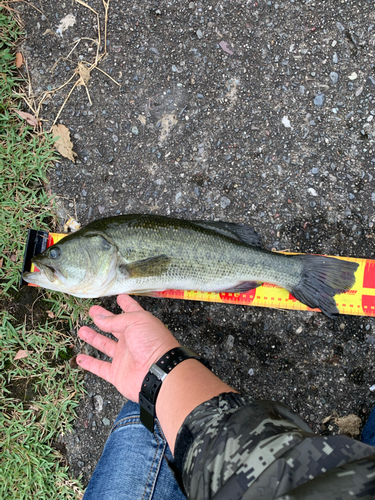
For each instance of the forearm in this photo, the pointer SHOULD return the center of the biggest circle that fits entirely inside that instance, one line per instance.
(187, 386)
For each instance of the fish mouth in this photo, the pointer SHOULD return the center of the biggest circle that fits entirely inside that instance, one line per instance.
(48, 271)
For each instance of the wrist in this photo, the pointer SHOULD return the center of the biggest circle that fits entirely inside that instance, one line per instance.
(161, 350)
(186, 387)
(155, 377)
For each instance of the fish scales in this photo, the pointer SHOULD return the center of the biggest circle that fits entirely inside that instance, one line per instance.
(207, 260)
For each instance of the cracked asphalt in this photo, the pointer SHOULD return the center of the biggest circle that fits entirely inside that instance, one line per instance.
(260, 112)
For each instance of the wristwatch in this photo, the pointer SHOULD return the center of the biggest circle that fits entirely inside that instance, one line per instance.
(155, 377)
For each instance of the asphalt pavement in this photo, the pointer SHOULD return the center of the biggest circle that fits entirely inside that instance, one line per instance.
(261, 112)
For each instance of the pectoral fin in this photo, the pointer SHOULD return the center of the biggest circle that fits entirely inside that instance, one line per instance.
(153, 266)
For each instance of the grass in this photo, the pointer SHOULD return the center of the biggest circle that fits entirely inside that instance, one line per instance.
(38, 393)
(24, 159)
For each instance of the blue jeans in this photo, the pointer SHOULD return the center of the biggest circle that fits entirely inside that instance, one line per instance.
(368, 433)
(133, 464)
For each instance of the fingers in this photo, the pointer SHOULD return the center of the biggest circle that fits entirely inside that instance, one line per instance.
(114, 324)
(128, 304)
(99, 310)
(96, 366)
(100, 342)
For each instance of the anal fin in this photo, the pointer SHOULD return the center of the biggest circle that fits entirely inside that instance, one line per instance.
(245, 286)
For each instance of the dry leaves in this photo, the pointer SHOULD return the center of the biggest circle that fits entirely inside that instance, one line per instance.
(84, 73)
(21, 354)
(19, 59)
(63, 144)
(65, 23)
(71, 224)
(31, 120)
(49, 32)
(349, 425)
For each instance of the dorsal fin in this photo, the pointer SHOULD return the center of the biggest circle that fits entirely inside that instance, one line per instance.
(239, 232)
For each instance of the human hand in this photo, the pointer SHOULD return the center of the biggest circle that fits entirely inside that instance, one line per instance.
(142, 340)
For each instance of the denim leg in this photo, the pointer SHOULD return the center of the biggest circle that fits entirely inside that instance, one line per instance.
(368, 433)
(133, 464)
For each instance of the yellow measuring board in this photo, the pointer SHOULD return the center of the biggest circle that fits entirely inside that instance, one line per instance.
(360, 300)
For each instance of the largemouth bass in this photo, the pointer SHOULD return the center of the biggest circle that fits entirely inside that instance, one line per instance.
(149, 253)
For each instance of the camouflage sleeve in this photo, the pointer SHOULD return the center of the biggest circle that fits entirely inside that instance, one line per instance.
(234, 447)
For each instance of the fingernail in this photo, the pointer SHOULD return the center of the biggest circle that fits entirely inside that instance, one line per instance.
(101, 316)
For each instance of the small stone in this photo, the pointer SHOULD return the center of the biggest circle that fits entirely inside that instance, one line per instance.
(224, 202)
(373, 197)
(200, 96)
(371, 81)
(106, 421)
(285, 121)
(199, 34)
(101, 209)
(230, 342)
(98, 402)
(80, 463)
(335, 59)
(178, 196)
(115, 138)
(84, 192)
(359, 91)
(174, 68)
(315, 170)
(319, 100)
(251, 372)
(353, 76)
(312, 192)
(299, 330)
(135, 131)
(340, 26)
(334, 77)
(342, 326)
(191, 5)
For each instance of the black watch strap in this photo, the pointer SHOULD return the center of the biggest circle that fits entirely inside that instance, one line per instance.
(154, 378)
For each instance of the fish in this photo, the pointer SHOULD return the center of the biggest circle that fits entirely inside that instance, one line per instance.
(145, 253)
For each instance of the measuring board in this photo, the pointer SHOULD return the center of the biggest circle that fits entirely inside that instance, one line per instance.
(360, 300)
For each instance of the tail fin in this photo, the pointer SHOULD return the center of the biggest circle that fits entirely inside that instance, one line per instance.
(322, 278)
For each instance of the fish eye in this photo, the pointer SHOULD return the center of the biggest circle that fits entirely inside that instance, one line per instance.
(55, 252)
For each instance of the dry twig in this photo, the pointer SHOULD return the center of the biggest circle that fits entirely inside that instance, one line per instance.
(83, 70)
